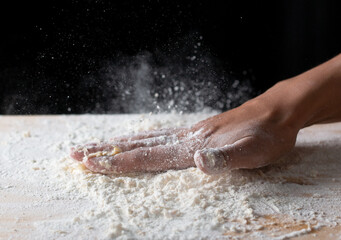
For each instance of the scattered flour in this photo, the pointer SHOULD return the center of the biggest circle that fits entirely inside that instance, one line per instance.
(277, 202)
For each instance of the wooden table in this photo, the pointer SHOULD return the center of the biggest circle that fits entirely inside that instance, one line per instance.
(24, 203)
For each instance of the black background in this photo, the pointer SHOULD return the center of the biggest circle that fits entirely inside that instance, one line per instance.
(54, 55)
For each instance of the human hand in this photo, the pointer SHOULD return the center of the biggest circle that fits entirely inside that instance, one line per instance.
(249, 136)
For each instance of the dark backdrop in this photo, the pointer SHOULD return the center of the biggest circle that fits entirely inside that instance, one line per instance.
(89, 56)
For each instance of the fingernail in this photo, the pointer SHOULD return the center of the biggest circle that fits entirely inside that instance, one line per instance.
(211, 161)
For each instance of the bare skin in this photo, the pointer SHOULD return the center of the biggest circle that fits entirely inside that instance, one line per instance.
(253, 135)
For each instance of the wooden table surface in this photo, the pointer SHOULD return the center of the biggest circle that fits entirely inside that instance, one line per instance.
(19, 208)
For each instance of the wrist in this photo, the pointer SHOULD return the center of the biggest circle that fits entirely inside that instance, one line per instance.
(284, 105)
(309, 98)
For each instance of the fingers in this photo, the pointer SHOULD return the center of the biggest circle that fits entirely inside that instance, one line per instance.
(148, 142)
(79, 152)
(245, 153)
(145, 139)
(146, 159)
(147, 134)
(212, 160)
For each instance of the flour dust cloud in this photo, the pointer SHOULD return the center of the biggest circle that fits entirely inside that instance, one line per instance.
(182, 77)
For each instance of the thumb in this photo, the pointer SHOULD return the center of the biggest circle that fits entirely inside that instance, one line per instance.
(244, 153)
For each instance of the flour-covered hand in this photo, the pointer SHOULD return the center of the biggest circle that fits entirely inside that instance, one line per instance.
(245, 137)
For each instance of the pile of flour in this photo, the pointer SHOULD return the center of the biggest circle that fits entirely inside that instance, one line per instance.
(294, 197)
(190, 204)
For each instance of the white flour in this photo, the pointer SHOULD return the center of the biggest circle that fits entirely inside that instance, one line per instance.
(186, 204)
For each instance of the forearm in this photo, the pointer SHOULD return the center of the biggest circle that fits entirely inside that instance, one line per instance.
(327, 99)
(309, 98)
